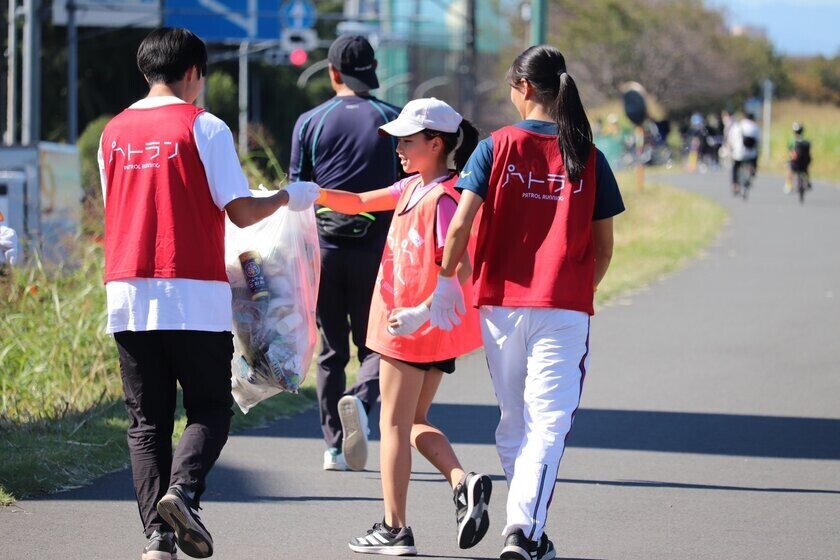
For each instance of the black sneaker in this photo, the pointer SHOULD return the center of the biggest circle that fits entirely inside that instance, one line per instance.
(471, 497)
(180, 511)
(379, 540)
(161, 546)
(517, 547)
(545, 551)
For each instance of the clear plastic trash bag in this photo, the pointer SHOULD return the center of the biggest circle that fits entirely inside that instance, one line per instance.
(274, 267)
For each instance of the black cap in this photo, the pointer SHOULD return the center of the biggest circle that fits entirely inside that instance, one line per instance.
(353, 57)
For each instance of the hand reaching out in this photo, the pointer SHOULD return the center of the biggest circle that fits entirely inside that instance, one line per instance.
(302, 194)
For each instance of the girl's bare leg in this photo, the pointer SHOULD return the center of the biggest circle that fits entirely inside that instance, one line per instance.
(428, 439)
(400, 387)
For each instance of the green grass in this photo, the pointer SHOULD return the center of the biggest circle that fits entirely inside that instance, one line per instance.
(822, 128)
(62, 422)
(661, 229)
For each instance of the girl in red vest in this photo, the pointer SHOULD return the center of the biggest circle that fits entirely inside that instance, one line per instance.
(415, 355)
(548, 199)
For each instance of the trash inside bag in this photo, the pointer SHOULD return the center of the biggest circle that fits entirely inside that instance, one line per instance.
(273, 267)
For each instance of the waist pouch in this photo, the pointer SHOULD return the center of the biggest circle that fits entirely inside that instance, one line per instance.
(336, 224)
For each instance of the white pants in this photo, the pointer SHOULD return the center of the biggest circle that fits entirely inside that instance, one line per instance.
(537, 359)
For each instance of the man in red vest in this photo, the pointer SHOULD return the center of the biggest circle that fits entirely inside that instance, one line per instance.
(169, 173)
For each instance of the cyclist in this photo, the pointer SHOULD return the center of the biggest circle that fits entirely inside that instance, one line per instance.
(743, 140)
(800, 157)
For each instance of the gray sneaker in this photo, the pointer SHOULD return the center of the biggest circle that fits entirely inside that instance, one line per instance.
(354, 430)
(161, 546)
(180, 511)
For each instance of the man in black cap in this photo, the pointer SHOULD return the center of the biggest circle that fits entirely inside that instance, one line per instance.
(337, 144)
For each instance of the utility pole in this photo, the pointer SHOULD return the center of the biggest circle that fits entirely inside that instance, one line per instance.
(538, 21)
(468, 71)
(243, 98)
(768, 114)
(31, 90)
(72, 74)
(11, 97)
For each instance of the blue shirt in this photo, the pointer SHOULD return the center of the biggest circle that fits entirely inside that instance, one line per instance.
(337, 145)
(475, 176)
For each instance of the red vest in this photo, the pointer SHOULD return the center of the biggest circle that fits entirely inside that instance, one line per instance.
(535, 246)
(408, 275)
(160, 219)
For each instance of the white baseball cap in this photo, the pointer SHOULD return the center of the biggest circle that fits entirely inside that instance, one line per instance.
(421, 114)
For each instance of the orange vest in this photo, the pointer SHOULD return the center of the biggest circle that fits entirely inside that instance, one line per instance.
(408, 275)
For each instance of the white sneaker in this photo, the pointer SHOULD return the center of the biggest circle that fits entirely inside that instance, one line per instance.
(334, 460)
(354, 429)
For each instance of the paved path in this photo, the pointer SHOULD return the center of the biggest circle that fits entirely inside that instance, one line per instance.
(710, 428)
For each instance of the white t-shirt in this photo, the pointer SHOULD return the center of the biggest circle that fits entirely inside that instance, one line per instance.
(153, 304)
(740, 130)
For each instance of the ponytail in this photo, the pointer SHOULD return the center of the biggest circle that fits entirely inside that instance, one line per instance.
(469, 140)
(574, 134)
(545, 68)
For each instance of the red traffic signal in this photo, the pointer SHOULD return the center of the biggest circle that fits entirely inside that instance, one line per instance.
(298, 57)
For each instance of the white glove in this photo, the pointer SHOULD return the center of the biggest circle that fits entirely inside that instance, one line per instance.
(302, 194)
(447, 303)
(407, 320)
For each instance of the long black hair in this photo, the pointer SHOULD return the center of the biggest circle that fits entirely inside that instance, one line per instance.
(469, 140)
(545, 68)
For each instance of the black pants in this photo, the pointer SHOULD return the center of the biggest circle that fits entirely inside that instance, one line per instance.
(737, 165)
(150, 364)
(347, 280)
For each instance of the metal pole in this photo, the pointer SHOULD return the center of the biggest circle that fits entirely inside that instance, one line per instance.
(768, 113)
(468, 103)
(11, 97)
(538, 19)
(415, 45)
(352, 10)
(31, 88)
(72, 74)
(243, 98)
(640, 168)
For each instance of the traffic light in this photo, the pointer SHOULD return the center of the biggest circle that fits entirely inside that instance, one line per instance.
(298, 57)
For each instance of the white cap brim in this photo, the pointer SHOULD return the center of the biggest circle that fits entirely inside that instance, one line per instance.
(401, 128)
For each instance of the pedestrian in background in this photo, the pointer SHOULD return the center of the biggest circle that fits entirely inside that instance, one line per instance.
(743, 139)
(548, 199)
(169, 174)
(336, 144)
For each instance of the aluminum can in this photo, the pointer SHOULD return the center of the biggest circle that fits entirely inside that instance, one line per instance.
(252, 267)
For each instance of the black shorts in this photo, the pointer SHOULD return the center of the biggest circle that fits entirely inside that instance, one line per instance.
(446, 366)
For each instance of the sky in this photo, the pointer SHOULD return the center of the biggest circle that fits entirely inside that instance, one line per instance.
(796, 27)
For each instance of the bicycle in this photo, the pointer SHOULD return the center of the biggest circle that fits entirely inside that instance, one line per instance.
(802, 183)
(745, 174)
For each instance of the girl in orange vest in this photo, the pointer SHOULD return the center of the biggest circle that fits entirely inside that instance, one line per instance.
(414, 355)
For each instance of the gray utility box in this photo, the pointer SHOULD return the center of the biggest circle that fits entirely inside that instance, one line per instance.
(41, 195)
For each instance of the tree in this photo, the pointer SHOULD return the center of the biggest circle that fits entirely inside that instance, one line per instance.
(680, 50)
